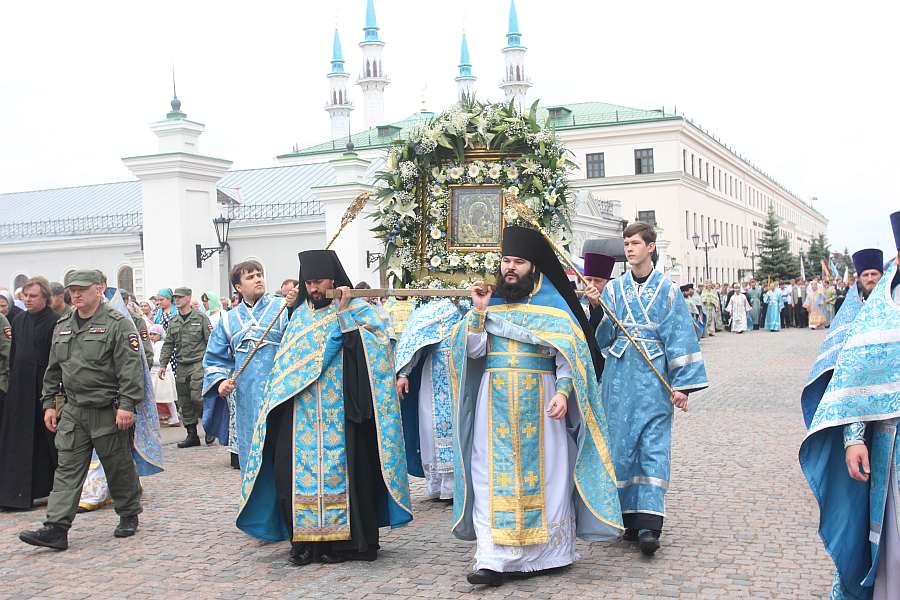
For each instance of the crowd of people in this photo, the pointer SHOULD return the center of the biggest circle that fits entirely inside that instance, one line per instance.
(542, 417)
(772, 306)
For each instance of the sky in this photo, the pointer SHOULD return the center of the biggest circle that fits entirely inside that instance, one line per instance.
(806, 90)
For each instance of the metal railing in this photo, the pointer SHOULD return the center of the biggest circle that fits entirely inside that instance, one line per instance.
(121, 223)
(274, 212)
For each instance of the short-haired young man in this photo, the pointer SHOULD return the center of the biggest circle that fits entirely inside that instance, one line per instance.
(638, 407)
(231, 407)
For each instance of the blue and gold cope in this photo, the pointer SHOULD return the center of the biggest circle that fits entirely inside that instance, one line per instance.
(428, 329)
(861, 404)
(520, 336)
(308, 371)
(638, 406)
(236, 335)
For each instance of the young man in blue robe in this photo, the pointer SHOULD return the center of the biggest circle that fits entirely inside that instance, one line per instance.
(327, 465)
(851, 454)
(533, 469)
(230, 407)
(638, 406)
(423, 386)
(868, 264)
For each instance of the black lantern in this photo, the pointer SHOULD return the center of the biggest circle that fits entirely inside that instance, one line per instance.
(222, 224)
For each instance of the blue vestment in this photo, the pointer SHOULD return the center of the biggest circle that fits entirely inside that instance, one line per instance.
(234, 337)
(820, 375)
(518, 332)
(426, 343)
(308, 374)
(864, 389)
(147, 449)
(638, 406)
(774, 305)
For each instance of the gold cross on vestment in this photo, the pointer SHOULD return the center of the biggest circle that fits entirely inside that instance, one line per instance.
(529, 430)
(502, 430)
(504, 480)
(528, 382)
(531, 479)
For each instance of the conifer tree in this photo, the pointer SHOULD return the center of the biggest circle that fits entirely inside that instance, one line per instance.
(818, 251)
(775, 259)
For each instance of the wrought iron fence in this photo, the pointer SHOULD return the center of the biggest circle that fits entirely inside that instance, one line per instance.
(121, 223)
(273, 212)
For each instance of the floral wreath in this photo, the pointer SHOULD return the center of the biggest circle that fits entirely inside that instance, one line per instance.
(420, 170)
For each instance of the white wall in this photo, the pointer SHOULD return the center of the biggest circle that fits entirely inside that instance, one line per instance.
(53, 258)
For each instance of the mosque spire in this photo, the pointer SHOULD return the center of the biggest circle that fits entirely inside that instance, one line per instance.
(372, 80)
(515, 82)
(338, 106)
(465, 81)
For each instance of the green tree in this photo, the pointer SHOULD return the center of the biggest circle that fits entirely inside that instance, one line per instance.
(818, 251)
(775, 258)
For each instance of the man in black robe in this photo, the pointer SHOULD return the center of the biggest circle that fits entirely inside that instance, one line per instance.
(330, 515)
(27, 452)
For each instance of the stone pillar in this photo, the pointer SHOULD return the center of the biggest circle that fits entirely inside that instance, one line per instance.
(179, 202)
(353, 242)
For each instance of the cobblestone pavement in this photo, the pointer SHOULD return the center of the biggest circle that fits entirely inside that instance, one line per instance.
(741, 524)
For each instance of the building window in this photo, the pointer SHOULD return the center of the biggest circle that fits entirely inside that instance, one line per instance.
(687, 225)
(684, 161)
(693, 162)
(707, 172)
(19, 281)
(647, 216)
(700, 167)
(596, 166)
(643, 161)
(125, 279)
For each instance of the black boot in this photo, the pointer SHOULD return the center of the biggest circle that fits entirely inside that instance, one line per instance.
(301, 553)
(235, 461)
(127, 526)
(191, 440)
(648, 541)
(630, 535)
(485, 577)
(48, 536)
(209, 438)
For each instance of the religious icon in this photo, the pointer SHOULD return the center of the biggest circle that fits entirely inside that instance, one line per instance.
(475, 218)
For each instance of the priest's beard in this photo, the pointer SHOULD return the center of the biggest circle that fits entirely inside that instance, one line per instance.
(319, 301)
(517, 290)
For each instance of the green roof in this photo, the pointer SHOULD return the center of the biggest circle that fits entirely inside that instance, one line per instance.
(571, 116)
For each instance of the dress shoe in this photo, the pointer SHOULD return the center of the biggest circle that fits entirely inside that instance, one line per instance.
(648, 542)
(127, 527)
(485, 577)
(301, 554)
(630, 535)
(209, 439)
(235, 461)
(48, 536)
(330, 558)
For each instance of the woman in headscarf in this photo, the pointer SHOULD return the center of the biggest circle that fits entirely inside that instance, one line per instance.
(7, 306)
(212, 306)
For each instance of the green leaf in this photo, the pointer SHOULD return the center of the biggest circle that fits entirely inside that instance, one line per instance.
(537, 183)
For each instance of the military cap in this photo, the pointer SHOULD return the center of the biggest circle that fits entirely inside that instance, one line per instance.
(83, 278)
(182, 291)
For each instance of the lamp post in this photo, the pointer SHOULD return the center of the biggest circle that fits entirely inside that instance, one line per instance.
(222, 225)
(752, 258)
(706, 247)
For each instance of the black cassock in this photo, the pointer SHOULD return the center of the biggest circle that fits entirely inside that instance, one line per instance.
(365, 482)
(27, 453)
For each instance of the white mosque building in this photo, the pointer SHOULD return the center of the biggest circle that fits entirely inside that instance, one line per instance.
(634, 164)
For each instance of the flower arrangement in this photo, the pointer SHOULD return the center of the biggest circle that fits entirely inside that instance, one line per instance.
(414, 197)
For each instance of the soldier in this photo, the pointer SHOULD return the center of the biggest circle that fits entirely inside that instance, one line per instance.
(187, 335)
(95, 358)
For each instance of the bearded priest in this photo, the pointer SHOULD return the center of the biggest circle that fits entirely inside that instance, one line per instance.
(533, 468)
(327, 464)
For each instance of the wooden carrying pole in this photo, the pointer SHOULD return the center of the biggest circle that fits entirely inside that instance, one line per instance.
(404, 293)
(352, 211)
(526, 214)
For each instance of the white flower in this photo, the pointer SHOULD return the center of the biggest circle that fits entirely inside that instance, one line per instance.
(455, 260)
(513, 191)
(494, 171)
(435, 233)
(552, 197)
(474, 171)
(529, 167)
(435, 172)
(408, 170)
(435, 212)
(490, 263)
(512, 172)
(511, 214)
(435, 261)
(455, 172)
(471, 260)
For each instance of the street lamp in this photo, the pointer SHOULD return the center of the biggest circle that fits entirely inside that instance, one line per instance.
(706, 247)
(222, 224)
(752, 258)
